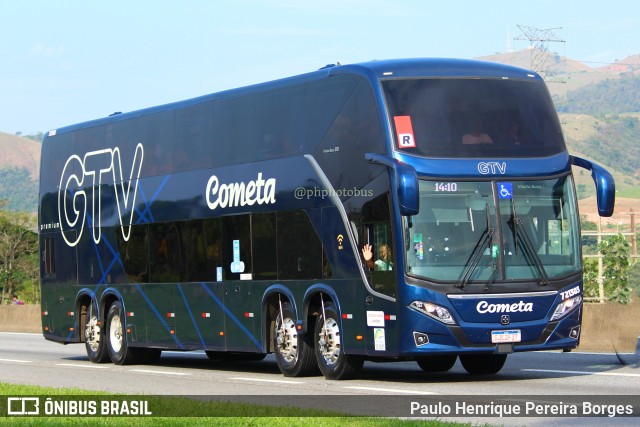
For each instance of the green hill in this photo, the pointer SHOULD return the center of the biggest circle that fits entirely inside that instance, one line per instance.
(19, 168)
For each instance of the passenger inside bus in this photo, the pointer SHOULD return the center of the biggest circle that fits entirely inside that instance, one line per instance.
(384, 261)
(477, 135)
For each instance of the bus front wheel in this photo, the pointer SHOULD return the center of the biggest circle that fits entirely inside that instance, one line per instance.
(479, 364)
(293, 349)
(332, 361)
(119, 351)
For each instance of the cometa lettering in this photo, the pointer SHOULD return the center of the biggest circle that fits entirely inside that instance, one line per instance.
(235, 194)
(516, 307)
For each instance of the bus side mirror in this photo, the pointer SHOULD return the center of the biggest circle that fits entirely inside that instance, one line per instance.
(405, 180)
(605, 185)
(408, 191)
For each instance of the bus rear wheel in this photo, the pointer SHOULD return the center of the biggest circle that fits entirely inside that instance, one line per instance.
(332, 361)
(94, 338)
(479, 364)
(293, 349)
(119, 352)
(437, 363)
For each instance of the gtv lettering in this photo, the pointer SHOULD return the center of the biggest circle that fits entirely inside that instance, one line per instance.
(87, 174)
(486, 168)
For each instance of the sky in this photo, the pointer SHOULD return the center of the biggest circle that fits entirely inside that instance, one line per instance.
(68, 61)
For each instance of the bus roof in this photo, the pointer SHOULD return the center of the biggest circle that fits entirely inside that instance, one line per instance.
(374, 70)
(439, 67)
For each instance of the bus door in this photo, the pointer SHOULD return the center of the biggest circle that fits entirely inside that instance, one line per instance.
(379, 263)
(239, 301)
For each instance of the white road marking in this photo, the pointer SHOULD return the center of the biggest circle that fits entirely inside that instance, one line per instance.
(22, 333)
(267, 381)
(15, 361)
(613, 374)
(74, 365)
(149, 371)
(390, 390)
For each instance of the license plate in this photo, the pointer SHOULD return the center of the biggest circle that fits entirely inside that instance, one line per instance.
(506, 336)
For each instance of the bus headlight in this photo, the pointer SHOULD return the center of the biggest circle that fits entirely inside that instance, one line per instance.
(566, 307)
(435, 311)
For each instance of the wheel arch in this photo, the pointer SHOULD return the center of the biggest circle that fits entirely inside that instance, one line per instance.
(84, 298)
(312, 302)
(108, 297)
(270, 308)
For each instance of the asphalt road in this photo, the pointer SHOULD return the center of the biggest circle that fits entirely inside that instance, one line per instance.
(30, 359)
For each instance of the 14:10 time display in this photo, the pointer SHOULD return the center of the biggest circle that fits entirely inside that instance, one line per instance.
(446, 186)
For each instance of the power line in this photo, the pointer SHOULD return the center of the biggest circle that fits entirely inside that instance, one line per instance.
(539, 39)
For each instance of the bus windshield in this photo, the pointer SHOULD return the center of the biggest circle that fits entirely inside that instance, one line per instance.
(474, 117)
(494, 231)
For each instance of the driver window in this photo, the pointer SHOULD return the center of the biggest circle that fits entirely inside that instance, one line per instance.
(377, 245)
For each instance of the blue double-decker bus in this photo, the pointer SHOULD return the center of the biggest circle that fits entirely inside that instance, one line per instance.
(392, 210)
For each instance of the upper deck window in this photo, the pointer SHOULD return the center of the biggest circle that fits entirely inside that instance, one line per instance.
(473, 117)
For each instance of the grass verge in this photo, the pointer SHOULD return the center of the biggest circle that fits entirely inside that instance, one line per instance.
(231, 414)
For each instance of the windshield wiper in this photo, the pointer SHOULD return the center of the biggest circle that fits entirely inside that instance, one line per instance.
(521, 236)
(473, 261)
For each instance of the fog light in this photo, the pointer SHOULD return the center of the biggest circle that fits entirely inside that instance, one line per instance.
(575, 332)
(420, 338)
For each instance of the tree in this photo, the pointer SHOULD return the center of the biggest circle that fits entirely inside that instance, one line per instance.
(634, 277)
(615, 259)
(18, 254)
(590, 279)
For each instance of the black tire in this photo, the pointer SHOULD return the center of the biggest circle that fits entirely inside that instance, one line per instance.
(119, 352)
(333, 363)
(437, 363)
(293, 349)
(95, 340)
(481, 364)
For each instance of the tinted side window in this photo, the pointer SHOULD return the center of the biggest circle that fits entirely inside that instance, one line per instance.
(204, 252)
(234, 131)
(193, 148)
(354, 131)
(55, 152)
(134, 253)
(168, 255)
(156, 135)
(265, 257)
(300, 254)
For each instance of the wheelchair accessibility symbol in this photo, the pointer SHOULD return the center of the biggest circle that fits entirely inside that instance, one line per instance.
(505, 190)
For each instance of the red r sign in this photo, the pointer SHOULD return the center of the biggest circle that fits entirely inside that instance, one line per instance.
(404, 132)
